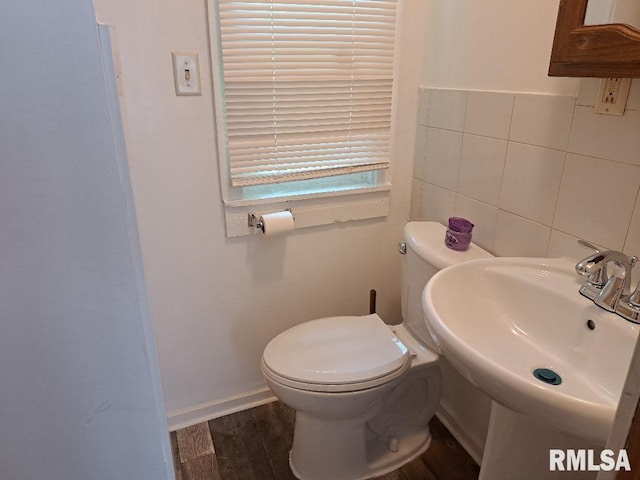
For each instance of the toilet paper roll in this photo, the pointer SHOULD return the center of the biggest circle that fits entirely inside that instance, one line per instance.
(277, 223)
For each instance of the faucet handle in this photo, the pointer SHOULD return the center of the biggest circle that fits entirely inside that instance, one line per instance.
(597, 279)
(590, 245)
(634, 298)
(629, 307)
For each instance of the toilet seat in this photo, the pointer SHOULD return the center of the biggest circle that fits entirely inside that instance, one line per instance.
(336, 354)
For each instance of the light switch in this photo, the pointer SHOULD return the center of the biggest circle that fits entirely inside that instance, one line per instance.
(186, 73)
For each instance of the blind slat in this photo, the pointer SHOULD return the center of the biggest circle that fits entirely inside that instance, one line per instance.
(307, 87)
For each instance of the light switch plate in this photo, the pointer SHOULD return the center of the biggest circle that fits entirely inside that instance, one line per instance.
(186, 73)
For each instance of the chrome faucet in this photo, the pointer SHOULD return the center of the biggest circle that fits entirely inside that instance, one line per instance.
(597, 276)
(611, 292)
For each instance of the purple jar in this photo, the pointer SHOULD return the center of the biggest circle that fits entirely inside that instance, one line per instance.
(458, 236)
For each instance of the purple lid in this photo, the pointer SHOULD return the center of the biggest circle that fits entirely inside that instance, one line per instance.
(462, 225)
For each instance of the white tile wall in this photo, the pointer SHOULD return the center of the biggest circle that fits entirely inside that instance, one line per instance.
(489, 114)
(543, 120)
(417, 188)
(533, 172)
(606, 136)
(481, 168)
(633, 102)
(531, 181)
(632, 243)
(423, 106)
(518, 236)
(596, 199)
(564, 245)
(446, 109)
(420, 152)
(437, 203)
(442, 158)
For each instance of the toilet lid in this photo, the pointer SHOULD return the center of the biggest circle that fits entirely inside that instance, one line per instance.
(336, 350)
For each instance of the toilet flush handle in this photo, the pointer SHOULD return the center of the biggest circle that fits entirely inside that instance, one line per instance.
(402, 248)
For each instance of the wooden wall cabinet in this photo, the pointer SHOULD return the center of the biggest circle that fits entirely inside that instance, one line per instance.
(611, 50)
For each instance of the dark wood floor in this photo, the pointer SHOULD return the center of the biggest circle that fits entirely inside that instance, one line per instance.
(254, 445)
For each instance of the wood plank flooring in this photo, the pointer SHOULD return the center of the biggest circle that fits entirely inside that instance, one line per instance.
(254, 445)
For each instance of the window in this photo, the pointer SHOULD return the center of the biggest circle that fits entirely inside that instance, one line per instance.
(304, 96)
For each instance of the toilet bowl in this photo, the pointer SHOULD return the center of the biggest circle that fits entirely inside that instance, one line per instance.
(364, 391)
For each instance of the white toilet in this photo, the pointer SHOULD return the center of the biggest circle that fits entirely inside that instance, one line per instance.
(364, 391)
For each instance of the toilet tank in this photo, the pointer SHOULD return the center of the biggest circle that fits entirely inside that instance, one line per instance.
(426, 254)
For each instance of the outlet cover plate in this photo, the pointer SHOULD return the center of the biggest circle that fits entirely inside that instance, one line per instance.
(612, 96)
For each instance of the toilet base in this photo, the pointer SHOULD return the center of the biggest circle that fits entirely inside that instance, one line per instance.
(380, 462)
(388, 430)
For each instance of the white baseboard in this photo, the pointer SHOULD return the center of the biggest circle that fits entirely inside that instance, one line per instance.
(463, 438)
(204, 412)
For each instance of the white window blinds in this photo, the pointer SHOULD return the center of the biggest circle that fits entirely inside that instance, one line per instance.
(307, 87)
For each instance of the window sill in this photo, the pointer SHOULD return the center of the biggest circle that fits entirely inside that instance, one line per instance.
(310, 210)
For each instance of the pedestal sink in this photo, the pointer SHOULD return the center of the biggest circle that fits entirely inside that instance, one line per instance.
(518, 329)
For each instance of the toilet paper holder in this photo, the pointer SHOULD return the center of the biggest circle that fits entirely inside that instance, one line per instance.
(253, 219)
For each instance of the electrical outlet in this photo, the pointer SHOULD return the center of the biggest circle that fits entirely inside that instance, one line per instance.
(612, 96)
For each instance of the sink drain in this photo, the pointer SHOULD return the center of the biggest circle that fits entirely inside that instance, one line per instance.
(547, 376)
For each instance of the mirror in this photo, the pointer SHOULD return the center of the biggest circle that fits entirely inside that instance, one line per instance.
(602, 12)
(586, 44)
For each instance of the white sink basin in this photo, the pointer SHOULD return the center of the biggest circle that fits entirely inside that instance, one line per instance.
(499, 319)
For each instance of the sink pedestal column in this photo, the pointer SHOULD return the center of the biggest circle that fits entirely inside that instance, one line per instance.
(518, 447)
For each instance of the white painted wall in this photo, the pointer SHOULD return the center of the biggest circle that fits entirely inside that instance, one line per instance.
(80, 394)
(492, 45)
(216, 302)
